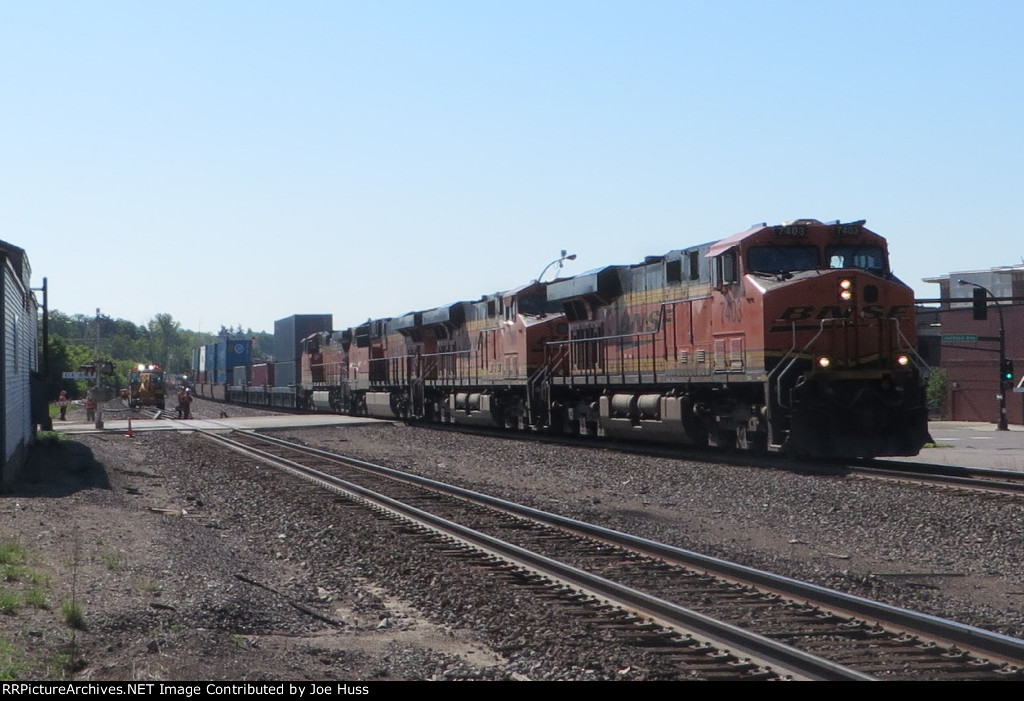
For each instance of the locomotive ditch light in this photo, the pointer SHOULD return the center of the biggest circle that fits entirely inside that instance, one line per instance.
(903, 360)
(824, 362)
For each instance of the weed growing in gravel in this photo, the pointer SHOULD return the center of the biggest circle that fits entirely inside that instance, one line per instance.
(10, 666)
(113, 561)
(40, 579)
(36, 597)
(9, 603)
(11, 553)
(74, 615)
(12, 573)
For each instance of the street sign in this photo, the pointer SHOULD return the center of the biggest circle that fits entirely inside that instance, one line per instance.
(959, 338)
(78, 376)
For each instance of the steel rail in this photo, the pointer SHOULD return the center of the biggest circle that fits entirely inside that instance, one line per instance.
(1006, 648)
(757, 646)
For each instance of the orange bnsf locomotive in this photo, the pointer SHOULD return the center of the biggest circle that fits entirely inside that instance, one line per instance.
(794, 337)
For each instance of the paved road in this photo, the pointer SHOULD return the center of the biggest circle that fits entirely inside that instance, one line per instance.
(965, 444)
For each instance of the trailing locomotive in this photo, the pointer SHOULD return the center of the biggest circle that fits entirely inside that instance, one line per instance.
(794, 337)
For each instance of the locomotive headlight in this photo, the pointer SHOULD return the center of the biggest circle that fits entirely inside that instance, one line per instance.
(846, 290)
(824, 362)
(903, 360)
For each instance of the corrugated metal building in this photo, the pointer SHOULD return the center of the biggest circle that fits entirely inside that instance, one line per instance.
(20, 358)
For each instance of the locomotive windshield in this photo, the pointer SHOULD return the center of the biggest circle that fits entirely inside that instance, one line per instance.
(782, 259)
(786, 259)
(870, 258)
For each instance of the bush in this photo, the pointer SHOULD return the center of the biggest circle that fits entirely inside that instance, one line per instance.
(936, 391)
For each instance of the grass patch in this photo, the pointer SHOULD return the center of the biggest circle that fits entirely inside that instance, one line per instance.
(11, 553)
(36, 597)
(9, 603)
(10, 665)
(113, 561)
(74, 615)
(39, 579)
(50, 437)
(12, 573)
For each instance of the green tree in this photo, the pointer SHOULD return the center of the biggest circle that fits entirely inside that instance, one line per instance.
(936, 391)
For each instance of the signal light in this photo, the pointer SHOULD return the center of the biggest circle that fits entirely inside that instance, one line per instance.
(980, 304)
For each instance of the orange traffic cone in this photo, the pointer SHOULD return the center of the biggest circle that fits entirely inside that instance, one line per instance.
(131, 434)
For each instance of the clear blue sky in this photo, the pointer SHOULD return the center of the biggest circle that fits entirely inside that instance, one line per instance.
(234, 162)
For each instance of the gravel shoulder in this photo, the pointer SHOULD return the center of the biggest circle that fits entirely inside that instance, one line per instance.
(184, 568)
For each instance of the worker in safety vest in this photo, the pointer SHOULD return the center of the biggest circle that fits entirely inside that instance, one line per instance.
(184, 404)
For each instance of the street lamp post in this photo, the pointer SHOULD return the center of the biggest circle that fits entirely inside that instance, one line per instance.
(561, 259)
(1002, 424)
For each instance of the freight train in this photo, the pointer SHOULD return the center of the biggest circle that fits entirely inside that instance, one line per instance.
(793, 337)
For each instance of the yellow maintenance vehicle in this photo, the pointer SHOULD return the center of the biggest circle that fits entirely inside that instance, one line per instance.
(146, 386)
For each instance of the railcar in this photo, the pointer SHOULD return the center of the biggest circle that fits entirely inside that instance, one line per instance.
(795, 338)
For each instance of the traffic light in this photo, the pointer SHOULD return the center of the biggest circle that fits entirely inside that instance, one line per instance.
(980, 304)
(1007, 371)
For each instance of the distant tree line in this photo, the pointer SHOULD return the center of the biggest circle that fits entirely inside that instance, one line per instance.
(78, 340)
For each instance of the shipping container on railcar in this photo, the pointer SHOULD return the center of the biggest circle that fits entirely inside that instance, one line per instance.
(795, 337)
(289, 334)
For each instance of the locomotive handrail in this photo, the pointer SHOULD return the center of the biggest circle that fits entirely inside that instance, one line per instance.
(796, 357)
(601, 343)
(922, 366)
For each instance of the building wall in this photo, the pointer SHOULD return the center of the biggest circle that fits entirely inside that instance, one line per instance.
(972, 367)
(19, 360)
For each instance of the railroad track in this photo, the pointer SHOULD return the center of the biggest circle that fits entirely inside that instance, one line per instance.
(991, 481)
(773, 625)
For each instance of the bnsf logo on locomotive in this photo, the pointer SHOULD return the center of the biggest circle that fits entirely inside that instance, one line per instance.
(870, 311)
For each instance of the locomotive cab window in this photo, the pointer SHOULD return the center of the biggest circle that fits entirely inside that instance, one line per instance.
(726, 270)
(870, 258)
(782, 259)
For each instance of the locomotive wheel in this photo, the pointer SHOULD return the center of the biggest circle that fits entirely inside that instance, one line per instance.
(751, 441)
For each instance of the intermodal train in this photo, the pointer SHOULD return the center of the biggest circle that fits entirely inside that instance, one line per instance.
(794, 337)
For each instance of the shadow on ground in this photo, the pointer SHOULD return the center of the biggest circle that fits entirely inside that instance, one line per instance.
(57, 468)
